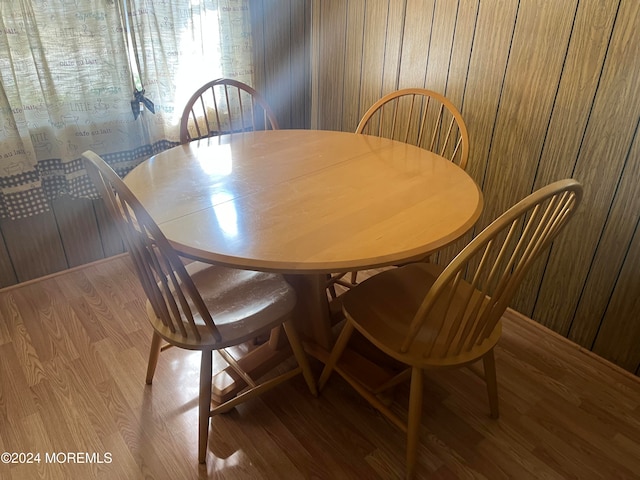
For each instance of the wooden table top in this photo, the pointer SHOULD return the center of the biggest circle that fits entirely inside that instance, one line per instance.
(306, 201)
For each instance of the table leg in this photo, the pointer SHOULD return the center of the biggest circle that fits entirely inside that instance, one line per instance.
(311, 314)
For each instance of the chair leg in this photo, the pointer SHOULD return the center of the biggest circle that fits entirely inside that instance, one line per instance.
(331, 288)
(301, 356)
(338, 348)
(489, 363)
(154, 353)
(354, 277)
(413, 423)
(204, 404)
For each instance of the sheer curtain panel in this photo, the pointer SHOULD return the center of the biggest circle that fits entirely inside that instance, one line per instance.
(181, 45)
(69, 70)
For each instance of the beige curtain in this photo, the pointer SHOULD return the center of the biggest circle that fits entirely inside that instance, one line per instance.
(181, 45)
(68, 72)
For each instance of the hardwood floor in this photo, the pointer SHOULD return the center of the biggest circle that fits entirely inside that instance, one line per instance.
(73, 353)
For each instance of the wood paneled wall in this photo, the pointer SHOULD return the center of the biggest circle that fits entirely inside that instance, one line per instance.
(281, 32)
(549, 89)
(74, 232)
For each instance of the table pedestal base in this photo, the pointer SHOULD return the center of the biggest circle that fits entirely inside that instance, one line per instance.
(362, 360)
(312, 319)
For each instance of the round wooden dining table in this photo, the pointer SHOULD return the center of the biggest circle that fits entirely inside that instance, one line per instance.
(305, 203)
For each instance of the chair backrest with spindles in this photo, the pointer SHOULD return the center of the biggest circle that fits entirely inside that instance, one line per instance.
(466, 302)
(225, 106)
(167, 284)
(420, 117)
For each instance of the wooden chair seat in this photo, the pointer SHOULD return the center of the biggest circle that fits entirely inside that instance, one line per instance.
(238, 316)
(383, 307)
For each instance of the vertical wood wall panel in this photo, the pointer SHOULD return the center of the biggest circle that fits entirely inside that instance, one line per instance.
(600, 163)
(277, 43)
(300, 67)
(373, 61)
(280, 31)
(610, 257)
(34, 246)
(608, 295)
(444, 25)
(333, 42)
(7, 275)
(109, 235)
(572, 107)
(618, 339)
(461, 54)
(393, 47)
(256, 10)
(415, 44)
(530, 84)
(78, 215)
(548, 89)
(489, 56)
(350, 84)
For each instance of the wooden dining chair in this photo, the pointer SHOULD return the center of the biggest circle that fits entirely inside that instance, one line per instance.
(225, 106)
(419, 117)
(426, 316)
(199, 306)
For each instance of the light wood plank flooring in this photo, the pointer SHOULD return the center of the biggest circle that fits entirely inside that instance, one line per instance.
(73, 353)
